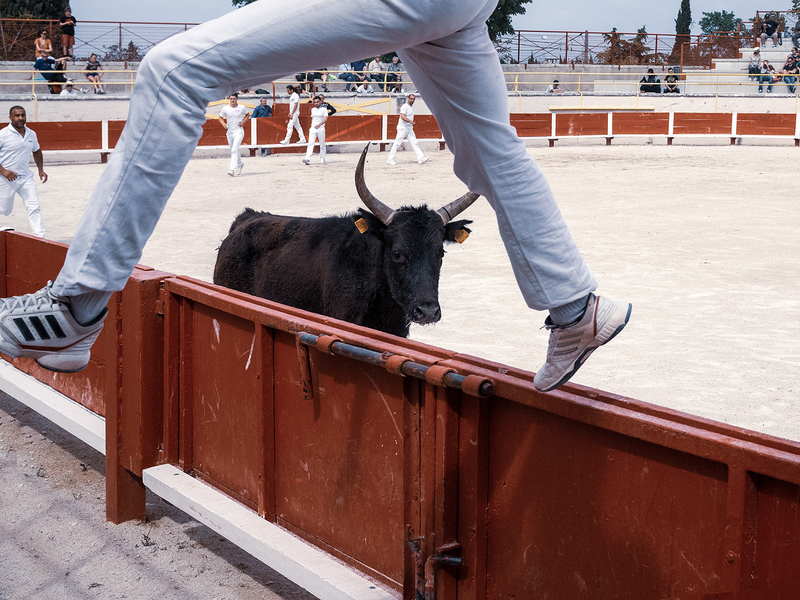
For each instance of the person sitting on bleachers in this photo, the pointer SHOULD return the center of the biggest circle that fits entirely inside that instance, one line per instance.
(790, 69)
(754, 66)
(52, 70)
(671, 82)
(768, 75)
(651, 83)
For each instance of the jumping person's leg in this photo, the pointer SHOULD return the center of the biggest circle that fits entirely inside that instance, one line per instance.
(265, 41)
(30, 198)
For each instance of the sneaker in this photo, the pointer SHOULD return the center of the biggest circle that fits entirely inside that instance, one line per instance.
(305, 161)
(284, 142)
(239, 169)
(230, 173)
(570, 345)
(322, 161)
(40, 326)
(303, 141)
(424, 159)
(391, 162)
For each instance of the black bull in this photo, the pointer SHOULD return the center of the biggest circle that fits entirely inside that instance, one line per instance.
(378, 268)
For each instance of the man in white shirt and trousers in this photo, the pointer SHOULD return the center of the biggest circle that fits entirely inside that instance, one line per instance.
(17, 143)
(405, 131)
(232, 118)
(294, 117)
(319, 114)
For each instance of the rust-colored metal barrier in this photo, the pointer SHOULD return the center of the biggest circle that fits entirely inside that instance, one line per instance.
(440, 475)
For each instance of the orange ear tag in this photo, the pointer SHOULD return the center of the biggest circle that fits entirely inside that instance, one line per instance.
(361, 225)
(461, 236)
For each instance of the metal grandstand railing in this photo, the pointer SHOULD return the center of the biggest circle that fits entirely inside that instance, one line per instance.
(619, 48)
(111, 41)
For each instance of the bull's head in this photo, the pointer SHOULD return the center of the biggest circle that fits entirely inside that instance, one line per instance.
(413, 247)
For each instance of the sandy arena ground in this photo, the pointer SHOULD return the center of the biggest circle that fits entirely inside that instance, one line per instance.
(701, 239)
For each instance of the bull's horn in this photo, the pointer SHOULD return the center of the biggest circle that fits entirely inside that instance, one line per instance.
(375, 206)
(456, 207)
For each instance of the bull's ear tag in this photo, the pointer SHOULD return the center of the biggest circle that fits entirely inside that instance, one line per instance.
(461, 236)
(361, 224)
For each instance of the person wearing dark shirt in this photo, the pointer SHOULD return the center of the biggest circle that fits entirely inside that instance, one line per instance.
(68, 23)
(671, 82)
(769, 28)
(262, 111)
(650, 83)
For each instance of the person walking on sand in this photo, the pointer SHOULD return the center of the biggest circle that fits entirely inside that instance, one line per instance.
(17, 143)
(294, 116)
(232, 117)
(319, 114)
(441, 44)
(405, 131)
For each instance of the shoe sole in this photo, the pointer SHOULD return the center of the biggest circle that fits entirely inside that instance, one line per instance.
(57, 370)
(587, 353)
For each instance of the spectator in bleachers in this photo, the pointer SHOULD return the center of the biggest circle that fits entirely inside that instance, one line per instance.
(359, 68)
(769, 28)
(44, 47)
(52, 70)
(363, 88)
(790, 69)
(768, 75)
(553, 88)
(346, 74)
(93, 71)
(671, 82)
(395, 74)
(376, 70)
(754, 66)
(68, 23)
(650, 83)
(69, 89)
(796, 34)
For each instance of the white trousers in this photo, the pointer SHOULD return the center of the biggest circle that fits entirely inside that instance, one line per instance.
(405, 133)
(235, 137)
(294, 124)
(315, 133)
(26, 188)
(440, 42)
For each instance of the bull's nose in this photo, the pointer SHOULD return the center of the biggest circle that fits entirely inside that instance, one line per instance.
(427, 312)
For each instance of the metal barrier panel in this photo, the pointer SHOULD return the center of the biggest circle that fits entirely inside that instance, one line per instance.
(581, 124)
(765, 124)
(702, 123)
(69, 135)
(566, 494)
(532, 125)
(640, 124)
(114, 131)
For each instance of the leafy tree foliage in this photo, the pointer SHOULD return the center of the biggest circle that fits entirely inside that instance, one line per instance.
(499, 23)
(33, 9)
(683, 24)
(119, 53)
(719, 21)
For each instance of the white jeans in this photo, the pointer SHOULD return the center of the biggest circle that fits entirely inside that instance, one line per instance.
(315, 133)
(405, 132)
(294, 124)
(26, 188)
(440, 42)
(235, 137)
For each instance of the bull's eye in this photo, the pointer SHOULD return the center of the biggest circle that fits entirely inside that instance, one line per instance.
(397, 256)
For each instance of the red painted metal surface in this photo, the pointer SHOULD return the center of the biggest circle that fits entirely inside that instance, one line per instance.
(531, 125)
(576, 124)
(640, 124)
(434, 491)
(709, 123)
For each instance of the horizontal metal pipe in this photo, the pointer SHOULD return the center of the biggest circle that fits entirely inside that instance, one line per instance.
(410, 368)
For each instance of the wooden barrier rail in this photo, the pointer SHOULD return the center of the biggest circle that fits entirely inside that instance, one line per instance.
(102, 136)
(431, 491)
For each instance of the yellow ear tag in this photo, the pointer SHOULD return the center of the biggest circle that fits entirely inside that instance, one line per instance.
(461, 236)
(361, 224)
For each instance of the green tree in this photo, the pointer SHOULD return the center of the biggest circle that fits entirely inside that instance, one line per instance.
(683, 24)
(33, 9)
(499, 22)
(713, 22)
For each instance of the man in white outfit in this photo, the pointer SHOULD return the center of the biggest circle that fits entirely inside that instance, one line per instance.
(17, 143)
(405, 131)
(232, 118)
(440, 43)
(294, 116)
(319, 114)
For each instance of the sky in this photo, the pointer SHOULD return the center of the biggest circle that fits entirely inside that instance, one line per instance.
(547, 15)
